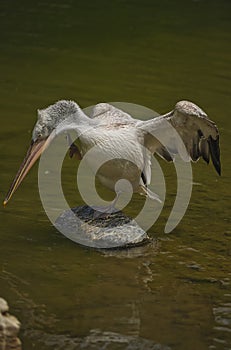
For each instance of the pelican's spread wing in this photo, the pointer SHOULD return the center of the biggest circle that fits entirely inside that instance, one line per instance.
(110, 114)
(194, 135)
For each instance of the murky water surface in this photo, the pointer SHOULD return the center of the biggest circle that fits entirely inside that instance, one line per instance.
(176, 291)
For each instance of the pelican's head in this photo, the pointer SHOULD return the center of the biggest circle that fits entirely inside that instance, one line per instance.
(48, 119)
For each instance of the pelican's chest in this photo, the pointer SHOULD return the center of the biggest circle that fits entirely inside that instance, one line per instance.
(114, 152)
(114, 142)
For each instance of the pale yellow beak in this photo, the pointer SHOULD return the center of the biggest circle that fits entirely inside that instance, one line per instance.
(35, 150)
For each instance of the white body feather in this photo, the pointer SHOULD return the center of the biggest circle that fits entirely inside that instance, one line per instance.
(128, 143)
(120, 146)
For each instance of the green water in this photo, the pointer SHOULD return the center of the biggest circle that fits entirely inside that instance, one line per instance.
(175, 291)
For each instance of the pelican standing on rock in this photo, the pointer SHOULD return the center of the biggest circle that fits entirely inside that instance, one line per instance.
(128, 142)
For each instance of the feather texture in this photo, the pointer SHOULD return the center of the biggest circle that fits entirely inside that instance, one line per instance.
(199, 134)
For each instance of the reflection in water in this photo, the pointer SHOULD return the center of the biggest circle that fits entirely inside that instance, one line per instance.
(98, 340)
(38, 322)
(222, 317)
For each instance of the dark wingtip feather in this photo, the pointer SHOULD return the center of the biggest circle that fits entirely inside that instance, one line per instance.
(204, 150)
(164, 153)
(143, 177)
(215, 153)
(205, 157)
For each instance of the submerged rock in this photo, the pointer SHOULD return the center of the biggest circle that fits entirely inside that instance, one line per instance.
(85, 226)
(9, 328)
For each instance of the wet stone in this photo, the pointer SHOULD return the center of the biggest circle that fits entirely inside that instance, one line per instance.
(86, 226)
(3, 306)
(9, 328)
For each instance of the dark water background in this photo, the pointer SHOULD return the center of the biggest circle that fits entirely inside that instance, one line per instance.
(176, 291)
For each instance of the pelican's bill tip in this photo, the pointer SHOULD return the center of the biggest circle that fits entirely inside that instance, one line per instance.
(5, 202)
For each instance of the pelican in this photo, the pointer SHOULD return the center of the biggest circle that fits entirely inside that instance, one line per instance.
(119, 136)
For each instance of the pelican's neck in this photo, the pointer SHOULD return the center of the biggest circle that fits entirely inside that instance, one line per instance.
(73, 119)
(59, 116)
(81, 118)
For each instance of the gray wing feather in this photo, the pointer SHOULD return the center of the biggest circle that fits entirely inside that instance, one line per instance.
(199, 134)
(111, 114)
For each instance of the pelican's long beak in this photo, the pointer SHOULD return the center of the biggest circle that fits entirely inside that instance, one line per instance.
(35, 150)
